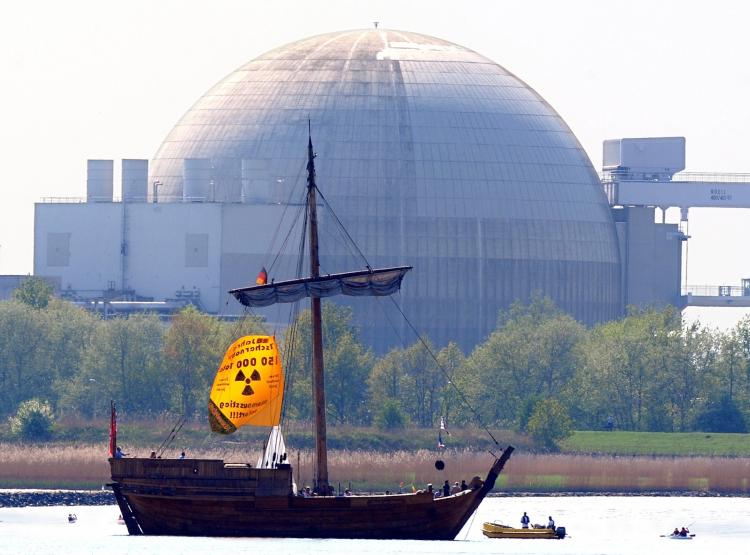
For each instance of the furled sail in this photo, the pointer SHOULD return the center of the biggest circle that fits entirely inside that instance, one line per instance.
(275, 452)
(248, 387)
(374, 283)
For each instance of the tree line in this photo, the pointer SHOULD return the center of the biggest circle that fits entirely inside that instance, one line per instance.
(649, 371)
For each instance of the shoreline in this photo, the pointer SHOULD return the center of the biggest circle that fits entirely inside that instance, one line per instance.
(19, 498)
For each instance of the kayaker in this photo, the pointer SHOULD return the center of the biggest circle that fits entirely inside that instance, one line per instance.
(676, 532)
(525, 520)
(684, 532)
(551, 523)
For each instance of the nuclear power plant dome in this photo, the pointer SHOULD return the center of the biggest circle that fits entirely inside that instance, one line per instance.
(431, 155)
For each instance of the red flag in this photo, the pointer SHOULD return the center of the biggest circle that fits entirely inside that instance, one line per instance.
(112, 430)
(262, 278)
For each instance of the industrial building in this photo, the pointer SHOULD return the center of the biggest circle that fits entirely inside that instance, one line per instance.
(429, 154)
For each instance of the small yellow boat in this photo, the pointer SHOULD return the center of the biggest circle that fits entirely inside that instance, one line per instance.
(495, 530)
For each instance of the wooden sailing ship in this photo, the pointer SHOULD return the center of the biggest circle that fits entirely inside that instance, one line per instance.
(200, 497)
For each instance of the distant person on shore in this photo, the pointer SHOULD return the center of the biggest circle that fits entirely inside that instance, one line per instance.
(525, 520)
(610, 423)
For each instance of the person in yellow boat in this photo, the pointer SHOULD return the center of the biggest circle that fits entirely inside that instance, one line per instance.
(551, 524)
(525, 520)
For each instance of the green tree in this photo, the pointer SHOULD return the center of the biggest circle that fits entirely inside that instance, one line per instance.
(33, 421)
(390, 415)
(123, 361)
(550, 423)
(34, 292)
(23, 366)
(633, 369)
(348, 366)
(424, 384)
(696, 367)
(387, 379)
(346, 361)
(451, 359)
(69, 332)
(192, 353)
(534, 353)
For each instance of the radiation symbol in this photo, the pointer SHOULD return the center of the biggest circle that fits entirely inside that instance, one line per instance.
(254, 377)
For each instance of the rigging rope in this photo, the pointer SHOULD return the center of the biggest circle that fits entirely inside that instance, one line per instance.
(171, 436)
(343, 229)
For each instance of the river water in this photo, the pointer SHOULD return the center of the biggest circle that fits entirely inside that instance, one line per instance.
(596, 525)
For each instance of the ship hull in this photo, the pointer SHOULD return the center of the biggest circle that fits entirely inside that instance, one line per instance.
(209, 498)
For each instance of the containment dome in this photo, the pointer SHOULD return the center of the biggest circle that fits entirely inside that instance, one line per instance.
(431, 155)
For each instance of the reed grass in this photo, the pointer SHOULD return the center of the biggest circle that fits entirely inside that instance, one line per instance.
(86, 466)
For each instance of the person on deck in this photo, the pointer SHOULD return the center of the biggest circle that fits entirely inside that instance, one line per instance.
(464, 487)
(525, 520)
(119, 454)
(182, 455)
(446, 488)
(455, 489)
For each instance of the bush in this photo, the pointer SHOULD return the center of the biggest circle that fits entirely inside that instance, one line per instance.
(34, 291)
(390, 416)
(549, 424)
(722, 417)
(33, 421)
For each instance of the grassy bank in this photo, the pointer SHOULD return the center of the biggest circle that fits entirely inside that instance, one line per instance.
(656, 443)
(85, 466)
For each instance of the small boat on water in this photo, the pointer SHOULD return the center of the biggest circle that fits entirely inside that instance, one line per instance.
(678, 534)
(72, 518)
(496, 530)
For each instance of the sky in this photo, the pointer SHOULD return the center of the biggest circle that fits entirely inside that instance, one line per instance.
(85, 79)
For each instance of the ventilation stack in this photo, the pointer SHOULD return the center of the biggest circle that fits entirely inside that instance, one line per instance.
(197, 180)
(99, 180)
(134, 180)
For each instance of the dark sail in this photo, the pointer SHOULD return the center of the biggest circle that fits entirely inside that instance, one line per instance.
(373, 283)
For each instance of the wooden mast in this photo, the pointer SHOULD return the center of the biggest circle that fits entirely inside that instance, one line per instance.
(318, 383)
